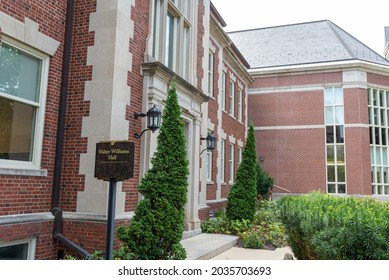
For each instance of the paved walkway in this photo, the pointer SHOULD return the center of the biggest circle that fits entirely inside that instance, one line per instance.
(221, 247)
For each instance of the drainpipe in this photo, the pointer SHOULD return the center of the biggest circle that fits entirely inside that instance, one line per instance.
(56, 192)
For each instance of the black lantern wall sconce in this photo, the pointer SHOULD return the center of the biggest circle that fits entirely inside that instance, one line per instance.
(153, 120)
(211, 142)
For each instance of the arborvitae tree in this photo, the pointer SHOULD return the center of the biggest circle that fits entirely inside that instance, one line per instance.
(265, 182)
(157, 227)
(243, 194)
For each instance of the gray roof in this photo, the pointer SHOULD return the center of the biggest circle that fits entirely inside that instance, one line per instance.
(304, 43)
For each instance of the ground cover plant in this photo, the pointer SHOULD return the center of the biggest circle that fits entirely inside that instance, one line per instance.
(265, 231)
(322, 226)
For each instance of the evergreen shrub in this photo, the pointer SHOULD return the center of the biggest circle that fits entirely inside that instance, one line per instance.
(243, 194)
(156, 229)
(326, 227)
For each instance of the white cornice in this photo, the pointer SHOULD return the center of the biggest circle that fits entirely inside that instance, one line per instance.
(320, 67)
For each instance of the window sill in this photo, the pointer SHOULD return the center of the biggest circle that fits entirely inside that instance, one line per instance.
(23, 172)
(210, 182)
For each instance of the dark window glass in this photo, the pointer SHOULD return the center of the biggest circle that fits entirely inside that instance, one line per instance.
(330, 134)
(339, 134)
(14, 252)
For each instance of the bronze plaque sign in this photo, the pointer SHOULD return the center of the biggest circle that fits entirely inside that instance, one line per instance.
(114, 160)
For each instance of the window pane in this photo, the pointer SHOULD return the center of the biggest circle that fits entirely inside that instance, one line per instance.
(14, 252)
(19, 73)
(386, 190)
(378, 155)
(338, 92)
(330, 154)
(376, 116)
(331, 188)
(378, 173)
(339, 115)
(16, 130)
(340, 154)
(377, 136)
(385, 175)
(381, 95)
(331, 173)
(169, 46)
(329, 115)
(341, 188)
(371, 135)
(375, 97)
(328, 97)
(379, 189)
(341, 173)
(330, 134)
(339, 134)
(383, 136)
(382, 117)
(385, 156)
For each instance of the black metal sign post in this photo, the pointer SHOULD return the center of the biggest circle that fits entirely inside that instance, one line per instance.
(114, 162)
(111, 218)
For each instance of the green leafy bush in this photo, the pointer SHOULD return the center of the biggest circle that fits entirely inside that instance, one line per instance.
(326, 227)
(253, 239)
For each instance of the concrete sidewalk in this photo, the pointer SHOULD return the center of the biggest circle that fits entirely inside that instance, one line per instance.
(221, 247)
(236, 253)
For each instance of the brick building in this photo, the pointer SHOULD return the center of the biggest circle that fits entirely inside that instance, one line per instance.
(320, 106)
(72, 73)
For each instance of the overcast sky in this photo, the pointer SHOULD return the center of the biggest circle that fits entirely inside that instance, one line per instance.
(365, 20)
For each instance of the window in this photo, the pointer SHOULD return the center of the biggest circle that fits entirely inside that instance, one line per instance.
(18, 250)
(222, 160)
(232, 92)
(335, 150)
(240, 153)
(240, 104)
(23, 78)
(378, 125)
(210, 72)
(171, 35)
(223, 90)
(209, 166)
(231, 163)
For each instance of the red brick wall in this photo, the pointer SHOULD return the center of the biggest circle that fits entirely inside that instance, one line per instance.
(42, 231)
(378, 79)
(77, 108)
(140, 16)
(215, 207)
(24, 194)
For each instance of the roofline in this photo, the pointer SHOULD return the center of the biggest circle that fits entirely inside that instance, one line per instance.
(217, 15)
(277, 26)
(322, 66)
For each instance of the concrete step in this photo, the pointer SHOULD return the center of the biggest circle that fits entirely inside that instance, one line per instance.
(206, 246)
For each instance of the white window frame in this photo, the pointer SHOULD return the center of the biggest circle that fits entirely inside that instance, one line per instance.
(176, 54)
(223, 90)
(332, 121)
(378, 104)
(208, 173)
(31, 243)
(222, 160)
(240, 108)
(231, 163)
(232, 96)
(211, 59)
(240, 154)
(40, 106)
